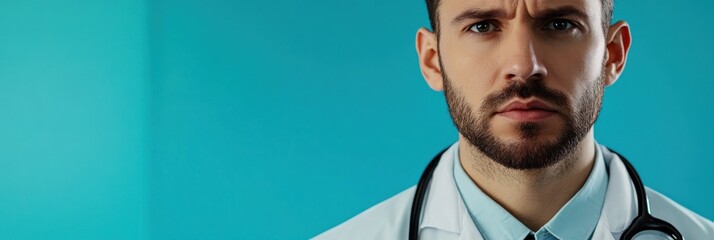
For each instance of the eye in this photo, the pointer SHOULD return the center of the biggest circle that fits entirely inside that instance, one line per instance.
(482, 27)
(560, 25)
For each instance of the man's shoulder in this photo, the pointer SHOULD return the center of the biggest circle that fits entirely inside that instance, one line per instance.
(386, 220)
(690, 224)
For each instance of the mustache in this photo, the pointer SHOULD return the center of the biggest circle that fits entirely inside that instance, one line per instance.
(531, 88)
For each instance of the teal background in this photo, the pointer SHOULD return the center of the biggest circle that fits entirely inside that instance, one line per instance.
(74, 104)
(156, 119)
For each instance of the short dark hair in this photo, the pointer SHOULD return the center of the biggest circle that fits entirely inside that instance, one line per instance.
(433, 5)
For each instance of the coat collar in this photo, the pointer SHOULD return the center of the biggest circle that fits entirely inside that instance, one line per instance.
(445, 210)
(620, 206)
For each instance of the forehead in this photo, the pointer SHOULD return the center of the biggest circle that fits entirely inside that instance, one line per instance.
(450, 8)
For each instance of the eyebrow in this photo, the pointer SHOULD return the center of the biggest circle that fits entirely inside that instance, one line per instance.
(500, 13)
(561, 12)
(475, 13)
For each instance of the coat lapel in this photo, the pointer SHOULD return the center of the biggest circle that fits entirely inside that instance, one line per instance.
(444, 209)
(620, 206)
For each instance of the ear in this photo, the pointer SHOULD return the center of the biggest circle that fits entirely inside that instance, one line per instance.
(618, 45)
(428, 51)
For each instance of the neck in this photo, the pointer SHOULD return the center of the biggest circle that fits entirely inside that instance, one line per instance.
(533, 196)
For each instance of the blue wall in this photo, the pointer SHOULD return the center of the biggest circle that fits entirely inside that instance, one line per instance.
(73, 117)
(279, 119)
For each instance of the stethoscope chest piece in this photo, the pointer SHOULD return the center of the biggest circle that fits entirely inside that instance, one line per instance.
(651, 235)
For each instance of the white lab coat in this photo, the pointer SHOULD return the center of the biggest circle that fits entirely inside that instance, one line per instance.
(445, 216)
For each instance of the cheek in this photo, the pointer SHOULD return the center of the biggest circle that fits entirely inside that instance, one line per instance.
(471, 69)
(575, 71)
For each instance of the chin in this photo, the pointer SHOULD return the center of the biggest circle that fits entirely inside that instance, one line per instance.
(528, 132)
(534, 142)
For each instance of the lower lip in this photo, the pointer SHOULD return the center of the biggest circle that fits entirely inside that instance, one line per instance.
(527, 115)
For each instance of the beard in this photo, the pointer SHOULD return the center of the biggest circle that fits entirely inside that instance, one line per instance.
(530, 151)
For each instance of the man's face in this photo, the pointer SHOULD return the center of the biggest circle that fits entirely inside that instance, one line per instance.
(523, 78)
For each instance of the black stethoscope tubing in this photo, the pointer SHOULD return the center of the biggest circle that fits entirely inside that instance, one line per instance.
(643, 222)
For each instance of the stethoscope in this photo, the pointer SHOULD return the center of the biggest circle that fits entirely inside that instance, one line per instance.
(644, 226)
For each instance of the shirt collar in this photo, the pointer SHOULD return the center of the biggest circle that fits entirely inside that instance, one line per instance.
(575, 220)
(578, 218)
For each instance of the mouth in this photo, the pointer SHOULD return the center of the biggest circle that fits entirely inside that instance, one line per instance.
(527, 111)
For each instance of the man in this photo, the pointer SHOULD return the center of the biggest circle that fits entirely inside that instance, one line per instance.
(524, 81)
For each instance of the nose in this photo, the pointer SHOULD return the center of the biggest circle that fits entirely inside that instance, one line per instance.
(520, 58)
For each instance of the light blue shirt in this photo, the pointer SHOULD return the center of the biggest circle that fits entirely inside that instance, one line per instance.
(576, 220)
